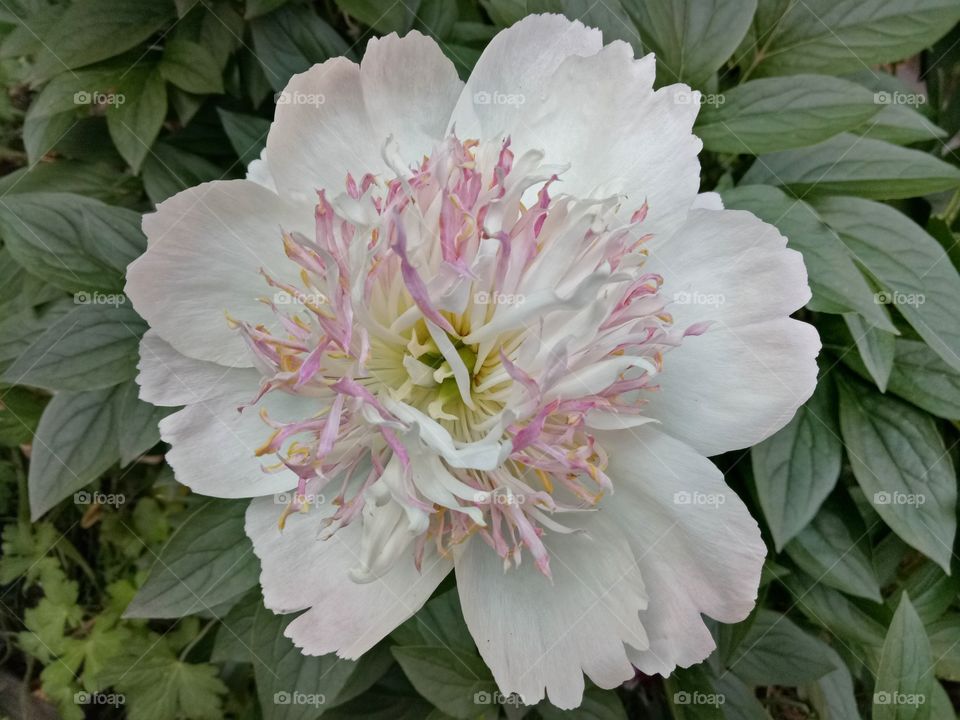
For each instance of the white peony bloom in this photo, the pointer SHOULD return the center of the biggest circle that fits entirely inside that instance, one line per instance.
(488, 328)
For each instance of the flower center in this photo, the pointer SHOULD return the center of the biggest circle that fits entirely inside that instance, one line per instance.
(466, 335)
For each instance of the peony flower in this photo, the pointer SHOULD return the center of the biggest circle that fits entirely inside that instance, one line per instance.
(487, 328)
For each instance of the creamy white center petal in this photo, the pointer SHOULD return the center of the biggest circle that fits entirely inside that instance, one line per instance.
(464, 330)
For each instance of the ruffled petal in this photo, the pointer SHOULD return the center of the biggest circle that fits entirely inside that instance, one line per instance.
(299, 571)
(698, 548)
(206, 246)
(535, 634)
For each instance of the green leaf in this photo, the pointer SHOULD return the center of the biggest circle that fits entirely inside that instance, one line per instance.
(797, 468)
(99, 181)
(945, 645)
(692, 694)
(691, 38)
(383, 17)
(20, 412)
(838, 36)
(455, 681)
(833, 696)
(76, 243)
(834, 611)
(914, 272)
(92, 30)
(609, 17)
(439, 623)
(256, 8)
(852, 165)
(597, 705)
(768, 115)
(291, 685)
(74, 444)
(900, 125)
(837, 285)
(778, 652)
(191, 67)
(92, 347)
(135, 122)
(899, 460)
(159, 686)
(291, 39)
(920, 376)
(876, 348)
(834, 549)
(137, 427)
(208, 561)
(904, 686)
(169, 170)
(247, 134)
(932, 591)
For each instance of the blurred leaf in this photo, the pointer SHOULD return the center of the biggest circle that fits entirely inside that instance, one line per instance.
(92, 30)
(899, 460)
(910, 266)
(92, 347)
(798, 467)
(207, 561)
(291, 39)
(778, 652)
(767, 115)
(191, 67)
(74, 444)
(876, 348)
(904, 681)
(76, 243)
(837, 36)
(20, 412)
(852, 165)
(691, 38)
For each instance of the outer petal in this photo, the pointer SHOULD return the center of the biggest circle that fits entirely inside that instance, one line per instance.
(335, 117)
(169, 378)
(534, 634)
(744, 378)
(300, 571)
(594, 109)
(205, 248)
(698, 548)
(214, 445)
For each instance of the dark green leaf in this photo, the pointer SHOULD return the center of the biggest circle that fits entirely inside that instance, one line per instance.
(778, 652)
(191, 66)
(135, 119)
(247, 134)
(876, 348)
(904, 684)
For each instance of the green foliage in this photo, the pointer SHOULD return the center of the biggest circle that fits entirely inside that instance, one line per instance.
(125, 596)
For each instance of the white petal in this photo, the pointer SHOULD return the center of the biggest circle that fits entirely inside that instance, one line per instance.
(732, 387)
(169, 378)
(708, 201)
(699, 551)
(300, 571)
(214, 445)
(335, 117)
(729, 267)
(258, 171)
(516, 65)
(534, 634)
(744, 378)
(206, 246)
(596, 111)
